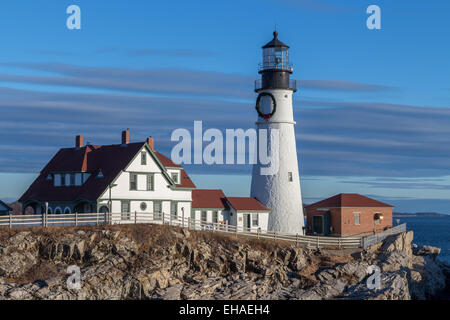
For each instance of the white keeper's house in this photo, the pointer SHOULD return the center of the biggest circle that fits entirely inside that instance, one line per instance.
(132, 177)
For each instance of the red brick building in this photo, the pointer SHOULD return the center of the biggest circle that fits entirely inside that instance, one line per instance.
(348, 214)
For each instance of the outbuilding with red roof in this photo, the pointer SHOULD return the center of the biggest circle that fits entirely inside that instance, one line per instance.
(212, 206)
(248, 213)
(348, 214)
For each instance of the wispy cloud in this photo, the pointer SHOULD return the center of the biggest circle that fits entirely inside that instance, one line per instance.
(172, 53)
(58, 53)
(186, 53)
(334, 138)
(401, 185)
(316, 5)
(136, 80)
(341, 85)
(165, 81)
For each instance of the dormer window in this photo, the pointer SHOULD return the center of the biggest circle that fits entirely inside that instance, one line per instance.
(68, 179)
(175, 177)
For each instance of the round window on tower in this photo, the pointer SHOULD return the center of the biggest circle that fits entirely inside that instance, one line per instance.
(143, 206)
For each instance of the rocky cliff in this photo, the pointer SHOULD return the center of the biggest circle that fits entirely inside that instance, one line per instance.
(160, 262)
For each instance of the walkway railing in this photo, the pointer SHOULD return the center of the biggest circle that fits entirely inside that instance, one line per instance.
(80, 219)
(374, 239)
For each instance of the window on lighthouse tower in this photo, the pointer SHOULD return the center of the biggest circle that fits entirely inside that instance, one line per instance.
(276, 58)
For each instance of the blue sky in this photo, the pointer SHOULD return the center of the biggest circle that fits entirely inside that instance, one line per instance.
(373, 111)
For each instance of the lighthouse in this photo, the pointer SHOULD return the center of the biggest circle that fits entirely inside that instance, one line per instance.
(279, 189)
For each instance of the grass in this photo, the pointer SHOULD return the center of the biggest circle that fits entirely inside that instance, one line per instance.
(153, 235)
(40, 271)
(154, 240)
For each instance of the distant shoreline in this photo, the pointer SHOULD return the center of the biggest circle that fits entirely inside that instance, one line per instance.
(419, 214)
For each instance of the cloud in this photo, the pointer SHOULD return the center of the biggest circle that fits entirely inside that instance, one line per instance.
(362, 138)
(315, 5)
(186, 53)
(343, 86)
(334, 138)
(172, 53)
(401, 185)
(164, 81)
(58, 53)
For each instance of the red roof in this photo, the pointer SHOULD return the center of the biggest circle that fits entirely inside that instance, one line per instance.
(167, 162)
(208, 199)
(246, 203)
(185, 181)
(110, 160)
(348, 200)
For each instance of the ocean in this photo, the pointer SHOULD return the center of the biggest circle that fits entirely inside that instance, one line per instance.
(432, 231)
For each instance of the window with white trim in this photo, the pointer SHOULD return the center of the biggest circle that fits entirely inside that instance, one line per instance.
(175, 177)
(133, 181)
(174, 209)
(356, 218)
(377, 218)
(255, 220)
(151, 182)
(57, 180)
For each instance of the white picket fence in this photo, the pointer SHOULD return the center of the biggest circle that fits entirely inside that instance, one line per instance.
(80, 219)
(45, 220)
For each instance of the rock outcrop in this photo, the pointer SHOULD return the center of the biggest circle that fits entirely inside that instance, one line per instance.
(160, 262)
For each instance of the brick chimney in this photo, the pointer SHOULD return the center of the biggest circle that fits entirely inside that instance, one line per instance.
(151, 143)
(79, 141)
(126, 137)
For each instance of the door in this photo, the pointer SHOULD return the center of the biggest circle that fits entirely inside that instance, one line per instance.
(157, 210)
(317, 224)
(125, 215)
(247, 220)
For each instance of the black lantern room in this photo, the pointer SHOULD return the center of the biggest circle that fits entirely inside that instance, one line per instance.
(275, 69)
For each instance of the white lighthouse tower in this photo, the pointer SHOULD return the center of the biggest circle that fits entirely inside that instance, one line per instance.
(279, 191)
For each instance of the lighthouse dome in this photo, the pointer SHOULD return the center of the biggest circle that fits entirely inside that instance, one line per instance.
(275, 43)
